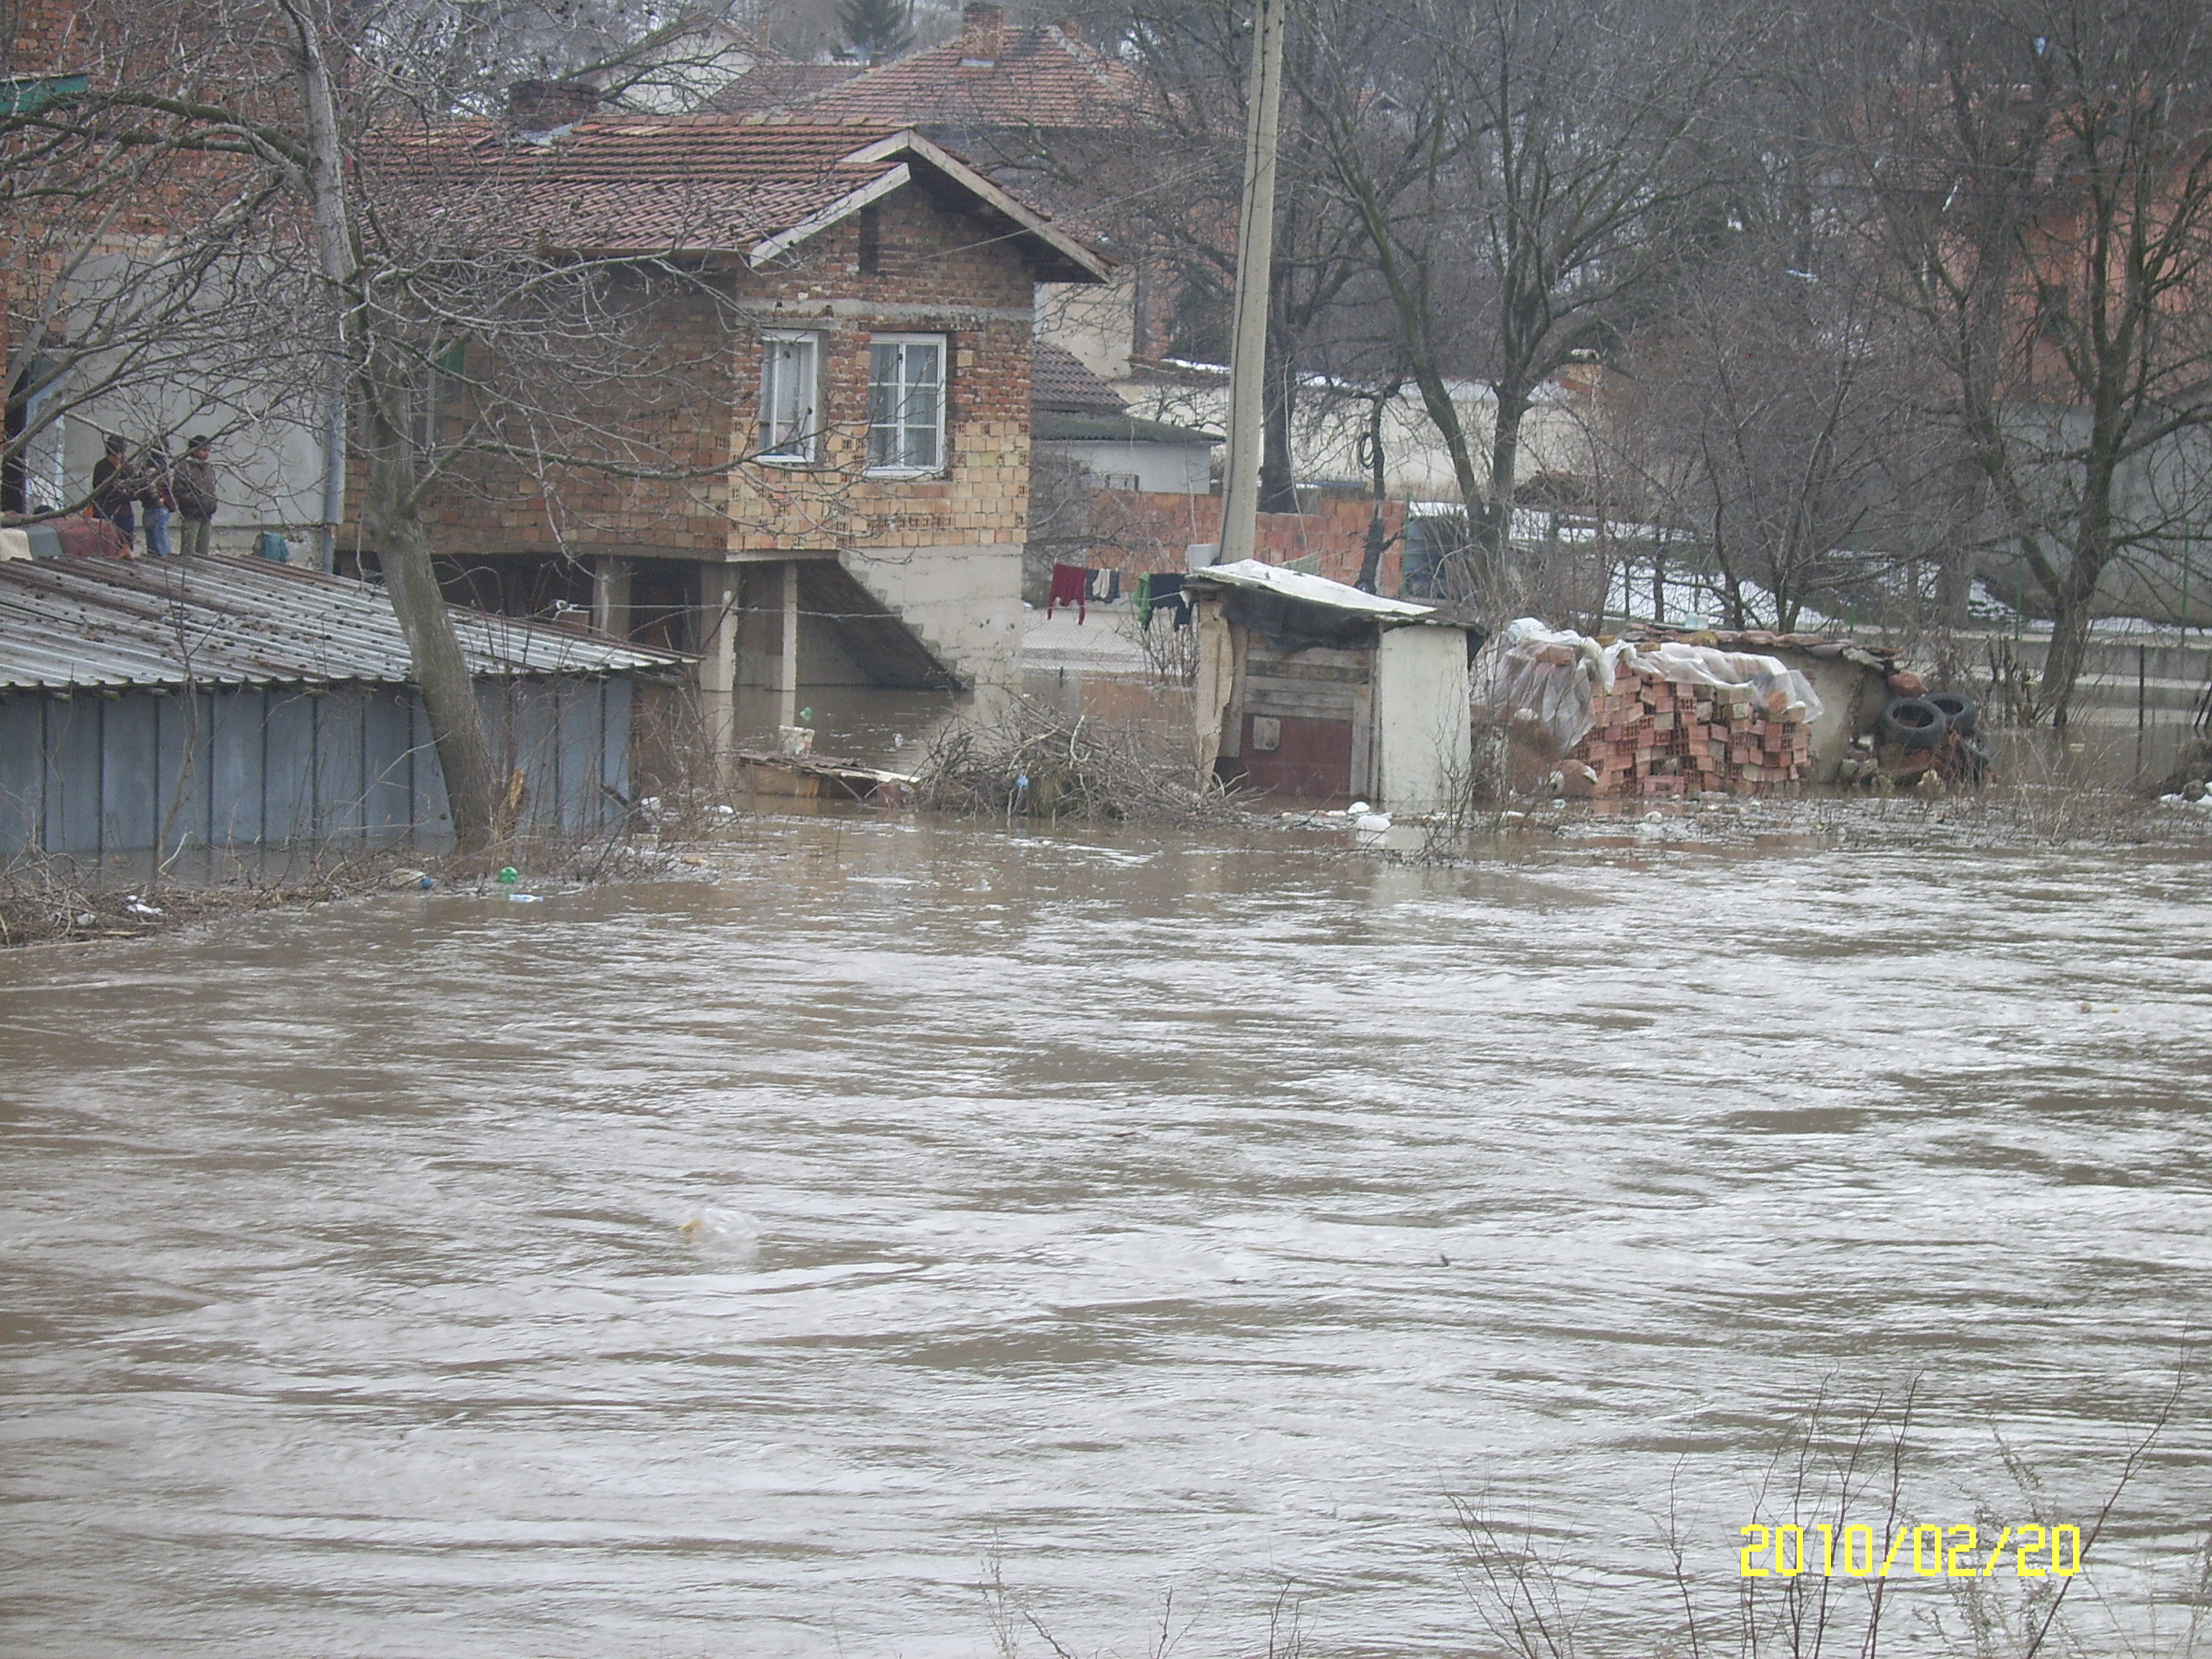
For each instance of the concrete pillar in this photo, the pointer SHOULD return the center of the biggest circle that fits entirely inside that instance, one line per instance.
(717, 643)
(787, 664)
(611, 597)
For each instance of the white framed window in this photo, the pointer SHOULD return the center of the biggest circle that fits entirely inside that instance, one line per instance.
(791, 381)
(435, 396)
(906, 404)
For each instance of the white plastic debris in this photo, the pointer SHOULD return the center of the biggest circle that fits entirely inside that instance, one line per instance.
(1532, 675)
(730, 1235)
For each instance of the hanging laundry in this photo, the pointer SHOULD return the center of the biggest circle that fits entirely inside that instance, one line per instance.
(1070, 586)
(1162, 590)
(1105, 586)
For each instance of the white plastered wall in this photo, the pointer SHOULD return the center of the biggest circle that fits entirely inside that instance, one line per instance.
(1095, 321)
(1424, 728)
(1167, 468)
(965, 601)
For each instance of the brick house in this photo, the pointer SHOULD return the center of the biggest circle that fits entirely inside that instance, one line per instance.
(1038, 107)
(860, 463)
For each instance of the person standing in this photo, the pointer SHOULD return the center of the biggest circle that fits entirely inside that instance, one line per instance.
(116, 488)
(158, 502)
(192, 485)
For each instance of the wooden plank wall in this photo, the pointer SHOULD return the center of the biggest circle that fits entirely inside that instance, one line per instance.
(1319, 685)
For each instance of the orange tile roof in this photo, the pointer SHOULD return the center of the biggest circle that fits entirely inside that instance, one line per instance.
(665, 184)
(1039, 78)
(773, 84)
(1060, 380)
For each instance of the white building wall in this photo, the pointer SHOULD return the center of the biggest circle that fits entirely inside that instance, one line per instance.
(1095, 322)
(1170, 469)
(1556, 433)
(1424, 726)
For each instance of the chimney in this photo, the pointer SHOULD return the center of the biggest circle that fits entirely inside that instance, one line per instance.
(542, 106)
(982, 32)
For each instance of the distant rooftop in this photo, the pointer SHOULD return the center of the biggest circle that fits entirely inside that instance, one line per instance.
(992, 77)
(774, 82)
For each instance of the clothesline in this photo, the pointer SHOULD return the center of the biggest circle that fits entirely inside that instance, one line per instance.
(1080, 585)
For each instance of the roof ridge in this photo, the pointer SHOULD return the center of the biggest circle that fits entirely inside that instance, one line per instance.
(1101, 67)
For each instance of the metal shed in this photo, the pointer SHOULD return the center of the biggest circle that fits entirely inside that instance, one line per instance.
(1312, 688)
(236, 702)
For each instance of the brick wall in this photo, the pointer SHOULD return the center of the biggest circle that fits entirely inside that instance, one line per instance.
(940, 268)
(42, 37)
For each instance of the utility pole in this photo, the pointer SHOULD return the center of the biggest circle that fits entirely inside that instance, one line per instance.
(1256, 251)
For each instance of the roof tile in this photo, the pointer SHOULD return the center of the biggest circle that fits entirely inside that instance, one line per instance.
(1039, 78)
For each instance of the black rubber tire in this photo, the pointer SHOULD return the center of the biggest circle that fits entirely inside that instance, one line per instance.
(1959, 708)
(1912, 724)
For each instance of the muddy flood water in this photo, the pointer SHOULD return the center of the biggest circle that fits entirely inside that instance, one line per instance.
(767, 1263)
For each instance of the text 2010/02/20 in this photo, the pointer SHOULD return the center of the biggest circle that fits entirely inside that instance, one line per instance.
(2037, 1551)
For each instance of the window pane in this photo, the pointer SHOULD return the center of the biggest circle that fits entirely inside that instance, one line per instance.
(906, 403)
(926, 405)
(882, 383)
(788, 398)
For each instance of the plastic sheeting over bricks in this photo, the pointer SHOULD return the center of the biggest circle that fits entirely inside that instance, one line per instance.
(1652, 719)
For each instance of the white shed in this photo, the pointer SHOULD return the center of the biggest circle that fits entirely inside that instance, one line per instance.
(1311, 689)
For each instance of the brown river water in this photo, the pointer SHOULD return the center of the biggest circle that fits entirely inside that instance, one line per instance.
(759, 1263)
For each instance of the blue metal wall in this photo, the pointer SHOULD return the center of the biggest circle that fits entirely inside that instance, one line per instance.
(90, 774)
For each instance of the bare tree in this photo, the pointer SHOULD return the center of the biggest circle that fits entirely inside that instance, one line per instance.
(396, 253)
(1775, 417)
(1190, 59)
(2041, 177)
(1519, 168)
(128, 240)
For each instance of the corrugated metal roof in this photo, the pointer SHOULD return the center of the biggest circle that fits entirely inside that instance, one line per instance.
(250, 621)
(1307, 587)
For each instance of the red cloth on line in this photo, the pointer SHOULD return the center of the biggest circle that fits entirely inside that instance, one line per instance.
(1071, 585)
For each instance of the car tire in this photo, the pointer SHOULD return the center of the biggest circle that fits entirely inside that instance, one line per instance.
(1959, 709)
(1912, 724)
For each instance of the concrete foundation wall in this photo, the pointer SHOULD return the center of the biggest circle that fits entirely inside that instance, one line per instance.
(965, 601)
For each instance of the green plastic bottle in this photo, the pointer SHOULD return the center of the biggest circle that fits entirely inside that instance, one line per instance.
(508, 875)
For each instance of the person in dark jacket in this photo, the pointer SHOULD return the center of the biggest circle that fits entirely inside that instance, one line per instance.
(191, 482)
(116, 487)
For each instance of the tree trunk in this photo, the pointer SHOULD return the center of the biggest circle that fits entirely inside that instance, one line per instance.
(1495, 578)
(1378, 474)
(441, 671)
(393, 519)
(1279, 484)
(2061, 665)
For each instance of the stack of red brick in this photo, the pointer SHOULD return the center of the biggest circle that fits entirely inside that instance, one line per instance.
(1658, 737)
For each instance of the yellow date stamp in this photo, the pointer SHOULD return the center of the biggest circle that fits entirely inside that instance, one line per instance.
(1933, 1551)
